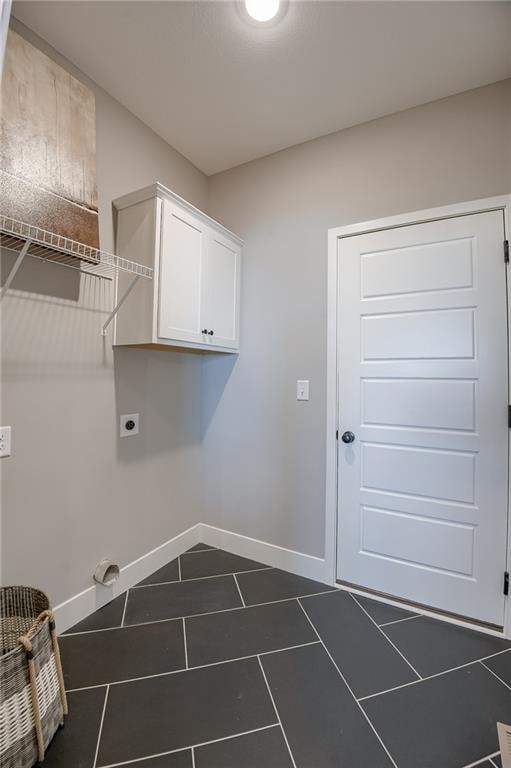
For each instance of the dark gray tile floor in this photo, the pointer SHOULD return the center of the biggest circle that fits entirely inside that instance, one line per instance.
(216, 661)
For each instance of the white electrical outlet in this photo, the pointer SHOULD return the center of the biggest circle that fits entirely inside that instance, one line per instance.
(5, 441)
(129, 424)
(302, 389)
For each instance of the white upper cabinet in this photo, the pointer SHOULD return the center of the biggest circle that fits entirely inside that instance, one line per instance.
(194, 299)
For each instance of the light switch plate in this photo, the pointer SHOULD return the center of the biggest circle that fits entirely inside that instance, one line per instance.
(302, 389)
(5, 441)
(130, 424)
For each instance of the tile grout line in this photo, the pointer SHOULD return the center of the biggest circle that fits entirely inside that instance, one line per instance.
(207, 613)
(199, 578)
(398, 621)
(364, 713)
(191, 669)
(184, 642)
(386, 638)
(437, 674)
(178, 570)
(483, 760)
(276, 711)
(196, 551)
(495, 675)
(495, 764)
(239, 590)
(124, 609)
(187, 748)
(193, 757)
(101, 726)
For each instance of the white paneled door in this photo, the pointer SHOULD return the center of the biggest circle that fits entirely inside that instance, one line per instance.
(423, 390)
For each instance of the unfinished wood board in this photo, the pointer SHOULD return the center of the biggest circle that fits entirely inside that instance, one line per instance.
(47, 145)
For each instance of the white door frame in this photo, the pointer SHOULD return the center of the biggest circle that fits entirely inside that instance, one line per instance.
(502, 203)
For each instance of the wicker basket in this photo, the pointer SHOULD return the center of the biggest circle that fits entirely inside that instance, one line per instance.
(32, 695)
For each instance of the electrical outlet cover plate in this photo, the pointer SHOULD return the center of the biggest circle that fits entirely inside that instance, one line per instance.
(5, 441)
(129, 424)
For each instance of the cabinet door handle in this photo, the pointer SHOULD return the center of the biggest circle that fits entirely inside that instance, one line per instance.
(204, 330)
(210, 333)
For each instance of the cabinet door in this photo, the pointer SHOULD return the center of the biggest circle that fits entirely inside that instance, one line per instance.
(220, 291)
(183, 245)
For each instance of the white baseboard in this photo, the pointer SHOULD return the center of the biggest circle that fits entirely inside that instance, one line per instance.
(83, 604)
(269, 554)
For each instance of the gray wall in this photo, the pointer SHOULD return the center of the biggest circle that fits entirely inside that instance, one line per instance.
(223, 439)
(264, 452)
(73, 492)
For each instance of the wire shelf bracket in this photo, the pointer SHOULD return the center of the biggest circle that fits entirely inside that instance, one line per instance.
(17, 264)
(119, 304)
(27, 239)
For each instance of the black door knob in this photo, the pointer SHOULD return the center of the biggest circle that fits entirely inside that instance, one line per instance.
(348, 437)
(210, 333)
(204, 330)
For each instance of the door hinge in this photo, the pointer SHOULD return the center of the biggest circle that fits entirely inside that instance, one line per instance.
(509, 416)
(506, 251)
(337, 432)
(506, 583)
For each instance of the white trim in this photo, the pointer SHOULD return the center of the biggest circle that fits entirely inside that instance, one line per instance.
(503, 203)
(467, 208)
(266, 553)
(78, 607)
(332, 412)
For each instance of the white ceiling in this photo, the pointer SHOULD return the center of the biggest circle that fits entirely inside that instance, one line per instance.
(223, 92)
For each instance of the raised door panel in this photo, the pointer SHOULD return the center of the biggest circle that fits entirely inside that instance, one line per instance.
(220, 292)
(183, 245)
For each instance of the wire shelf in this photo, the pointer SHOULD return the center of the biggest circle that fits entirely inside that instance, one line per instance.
(58, 249)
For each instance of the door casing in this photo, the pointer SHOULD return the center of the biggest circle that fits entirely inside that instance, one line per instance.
(501, 203)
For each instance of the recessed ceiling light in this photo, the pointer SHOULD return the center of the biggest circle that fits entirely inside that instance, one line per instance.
(262, 10)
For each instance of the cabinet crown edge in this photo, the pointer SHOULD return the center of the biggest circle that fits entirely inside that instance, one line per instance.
(164, 193)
